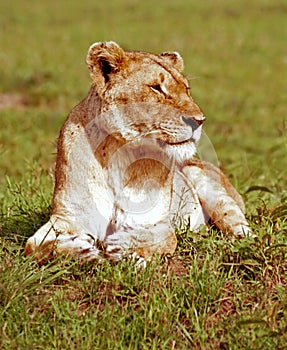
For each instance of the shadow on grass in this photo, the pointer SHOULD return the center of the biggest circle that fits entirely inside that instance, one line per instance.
(25, 206)
(23, 224)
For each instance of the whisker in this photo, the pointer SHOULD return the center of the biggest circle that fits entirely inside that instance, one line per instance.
(190, 78)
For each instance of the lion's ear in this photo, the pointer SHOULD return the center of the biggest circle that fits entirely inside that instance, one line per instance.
(174, 59)
(103, 59)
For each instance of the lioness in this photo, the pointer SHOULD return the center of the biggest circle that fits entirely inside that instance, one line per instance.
(125, 164)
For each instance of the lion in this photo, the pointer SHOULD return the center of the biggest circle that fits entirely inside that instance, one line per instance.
(126, 165)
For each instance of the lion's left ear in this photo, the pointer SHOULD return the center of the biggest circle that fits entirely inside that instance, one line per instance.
(104, 59)
(174, 59)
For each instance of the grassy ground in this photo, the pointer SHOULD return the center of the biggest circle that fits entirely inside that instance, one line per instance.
(214, 293)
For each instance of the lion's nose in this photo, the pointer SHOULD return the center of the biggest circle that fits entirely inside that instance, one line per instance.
(194, 122)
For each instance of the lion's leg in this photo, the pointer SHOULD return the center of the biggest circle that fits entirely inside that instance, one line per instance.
(223, 209)
(55, 237)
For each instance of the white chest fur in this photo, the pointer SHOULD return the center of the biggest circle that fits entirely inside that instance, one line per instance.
(148, 191)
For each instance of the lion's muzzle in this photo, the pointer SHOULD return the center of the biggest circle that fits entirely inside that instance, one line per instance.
(194, 122)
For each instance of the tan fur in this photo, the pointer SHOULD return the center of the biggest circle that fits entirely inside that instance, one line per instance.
(125, 165)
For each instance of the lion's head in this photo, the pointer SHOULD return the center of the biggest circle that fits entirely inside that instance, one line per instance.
(145, 96)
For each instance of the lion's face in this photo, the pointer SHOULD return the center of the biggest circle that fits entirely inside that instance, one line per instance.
(145, 95)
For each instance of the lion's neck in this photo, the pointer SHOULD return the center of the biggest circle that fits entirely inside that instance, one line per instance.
(107, 148)
(130, 165)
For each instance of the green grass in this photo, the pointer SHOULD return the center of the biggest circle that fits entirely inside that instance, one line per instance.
(214, 293)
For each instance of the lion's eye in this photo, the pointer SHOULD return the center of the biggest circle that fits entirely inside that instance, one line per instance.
(157, 88)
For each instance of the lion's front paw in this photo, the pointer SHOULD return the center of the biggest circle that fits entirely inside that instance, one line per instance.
(81, 246)
(243, 231)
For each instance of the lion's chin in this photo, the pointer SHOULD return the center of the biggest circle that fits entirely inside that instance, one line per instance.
(181, 152)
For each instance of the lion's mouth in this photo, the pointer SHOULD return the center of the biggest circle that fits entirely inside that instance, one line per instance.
(184, 142)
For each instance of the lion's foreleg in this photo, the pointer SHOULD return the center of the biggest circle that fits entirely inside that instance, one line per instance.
(223, 210)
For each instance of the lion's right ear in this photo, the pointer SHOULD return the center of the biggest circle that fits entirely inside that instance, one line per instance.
(104, 59)
(174, 59)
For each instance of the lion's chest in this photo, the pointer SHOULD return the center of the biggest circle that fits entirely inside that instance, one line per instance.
(134, 191)
(148, 192)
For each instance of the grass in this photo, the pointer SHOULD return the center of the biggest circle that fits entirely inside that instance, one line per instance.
(214, 293)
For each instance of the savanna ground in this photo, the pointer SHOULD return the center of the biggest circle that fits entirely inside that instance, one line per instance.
(214, 293)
